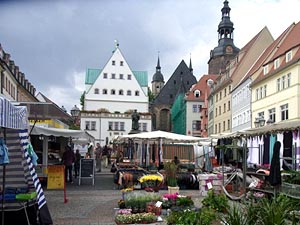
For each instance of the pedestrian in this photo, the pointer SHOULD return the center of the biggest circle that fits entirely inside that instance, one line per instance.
(98, 152)
(77, 163)
(68, 160)
(105, 155)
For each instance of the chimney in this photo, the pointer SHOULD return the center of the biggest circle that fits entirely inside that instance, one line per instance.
(6, 58)
(16, 72)
(12, 65)
(25, 84)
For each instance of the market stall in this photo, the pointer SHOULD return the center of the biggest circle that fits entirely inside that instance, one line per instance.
(21, 190)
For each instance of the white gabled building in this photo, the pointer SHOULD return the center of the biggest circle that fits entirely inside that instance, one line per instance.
(111, 95)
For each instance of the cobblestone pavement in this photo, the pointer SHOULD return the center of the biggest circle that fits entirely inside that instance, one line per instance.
(91, 204)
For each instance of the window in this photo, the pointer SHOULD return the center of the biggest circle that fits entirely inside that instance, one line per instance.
(261, 115)
(216, 112)
(197, 94)
(194, 108)
(216, 128)
(219, 127)
(144, 126)
(87, 125)
(272, 114)
(265, 90)
(229, 89)
(113, 62)
(113, 76)
(228, 105)
(93, 125)
(220, 95)
(110, 125)
(121, 76)
(219, 110)
(223, 125)
(104, 91)
(116, 125)
(199, 108)
(284, 112)
(276, 64)
(228, 124)
(278, 84)
(288, 56)
(266, 69)
(122, 126)
(196, 125)
(137, 93)
(113, 92)
(283, 81)
(288, 79)
(225, 92)
(128, 76)
(257, 94)
(174, 81)
(217, 97)
(121, 92)
(96, 91)
(105, 75)
(121, 63)
(224, 108)
(129, 93)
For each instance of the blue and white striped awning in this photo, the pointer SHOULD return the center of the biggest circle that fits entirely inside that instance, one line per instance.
(11, 116)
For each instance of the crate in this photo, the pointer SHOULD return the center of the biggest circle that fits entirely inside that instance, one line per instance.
(292, 190)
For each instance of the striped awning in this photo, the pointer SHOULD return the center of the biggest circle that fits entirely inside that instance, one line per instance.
(11, 116)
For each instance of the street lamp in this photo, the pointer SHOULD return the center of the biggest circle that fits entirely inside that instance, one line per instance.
(75, 113)
(259, 122)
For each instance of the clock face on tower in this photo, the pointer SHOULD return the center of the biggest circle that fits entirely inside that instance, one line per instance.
(229, 49)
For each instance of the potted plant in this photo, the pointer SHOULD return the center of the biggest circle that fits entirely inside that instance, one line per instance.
(151, 182)
(171, 176)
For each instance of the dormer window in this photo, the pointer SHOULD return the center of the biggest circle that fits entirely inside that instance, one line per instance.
(288, 56)
(266, 69)
(276, 64)
(113, 62)
(197, 93)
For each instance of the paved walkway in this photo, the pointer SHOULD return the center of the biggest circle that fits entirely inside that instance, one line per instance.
(92, 205)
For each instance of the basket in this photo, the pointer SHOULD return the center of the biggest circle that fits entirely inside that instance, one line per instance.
(292, 190)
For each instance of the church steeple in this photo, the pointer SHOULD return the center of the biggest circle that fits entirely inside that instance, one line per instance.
(226, 49)
(157, 79)
(191, 67)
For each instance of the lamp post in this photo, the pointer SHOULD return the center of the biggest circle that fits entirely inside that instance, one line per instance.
(259, 122)
(75, 113)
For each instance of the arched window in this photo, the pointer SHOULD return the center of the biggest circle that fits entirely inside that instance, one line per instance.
(96, 91)
(129, 92)
(113, 92)
(137, 93)
(121, 92)
(104, 91)
(197, 93)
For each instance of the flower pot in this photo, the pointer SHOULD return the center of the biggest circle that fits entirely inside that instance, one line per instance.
(173, 190)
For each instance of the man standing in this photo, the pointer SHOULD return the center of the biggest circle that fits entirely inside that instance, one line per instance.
(68, 159)
(98, 152)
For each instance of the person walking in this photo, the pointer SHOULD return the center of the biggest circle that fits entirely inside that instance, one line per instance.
(68, 160)
(98, 152)
(77, 163)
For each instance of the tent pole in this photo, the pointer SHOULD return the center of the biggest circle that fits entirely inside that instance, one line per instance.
(3, 182)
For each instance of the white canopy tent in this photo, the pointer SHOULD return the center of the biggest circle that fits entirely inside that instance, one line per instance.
(165, 136)
(56, 132)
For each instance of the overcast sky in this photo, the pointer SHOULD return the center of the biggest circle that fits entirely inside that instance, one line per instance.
(54, 42)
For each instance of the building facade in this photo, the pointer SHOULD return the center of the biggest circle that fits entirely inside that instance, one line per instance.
(111, 95)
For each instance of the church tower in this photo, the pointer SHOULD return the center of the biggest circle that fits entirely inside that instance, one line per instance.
(157, 80)
(226, 49)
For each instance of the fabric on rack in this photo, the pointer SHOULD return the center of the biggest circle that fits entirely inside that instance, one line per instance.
(296, 143)
(287, 149)
(148, 153)
(161, 157)
(272, 142)
(275, 174)
(11, 116)
(261, 148)
(208, 165)
(266, 154)
(3, 152)
(280, 139)
(44, 213)
(250, 150)
(199, 156)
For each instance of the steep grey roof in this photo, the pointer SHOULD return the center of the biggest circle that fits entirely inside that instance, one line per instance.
(180, 81)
